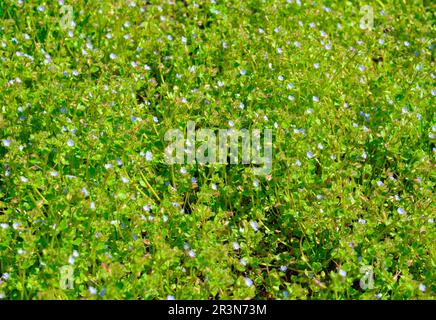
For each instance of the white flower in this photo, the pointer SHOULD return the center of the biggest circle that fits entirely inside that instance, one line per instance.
(92, 290)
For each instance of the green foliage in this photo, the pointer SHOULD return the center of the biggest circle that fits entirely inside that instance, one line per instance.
(80, 111)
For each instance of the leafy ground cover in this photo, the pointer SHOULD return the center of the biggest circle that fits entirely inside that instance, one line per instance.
(83, 182)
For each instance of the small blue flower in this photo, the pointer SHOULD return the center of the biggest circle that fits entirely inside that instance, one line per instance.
(192, 253)
(85, 192)
(254, 225)
(401, 211)
(248, 282)
(102, 292)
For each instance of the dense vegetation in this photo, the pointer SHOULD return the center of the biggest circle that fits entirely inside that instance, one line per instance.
(83, 182)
